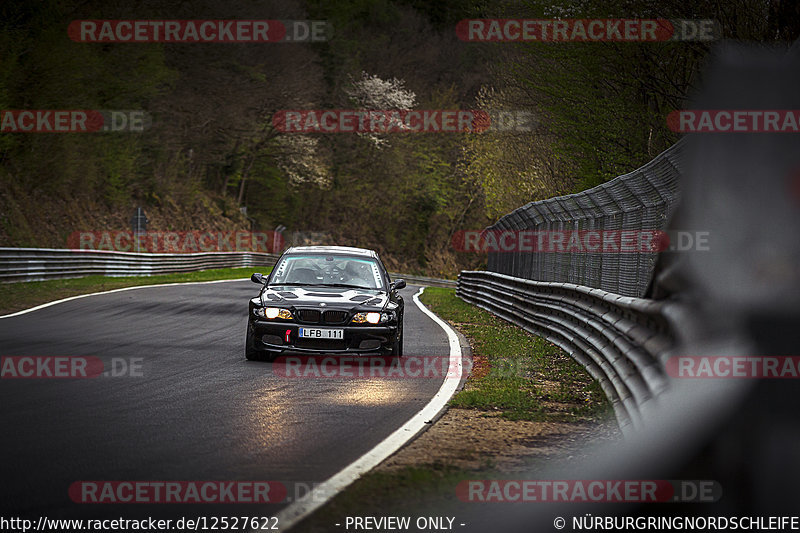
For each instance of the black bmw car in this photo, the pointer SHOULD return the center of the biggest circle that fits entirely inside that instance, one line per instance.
(326, 299)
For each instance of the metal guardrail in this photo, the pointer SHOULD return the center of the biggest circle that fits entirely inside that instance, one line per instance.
(37, 264)
(618, 339)
(421, 280)
(590, 304)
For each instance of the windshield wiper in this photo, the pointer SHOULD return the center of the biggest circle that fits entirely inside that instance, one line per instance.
(348, 285)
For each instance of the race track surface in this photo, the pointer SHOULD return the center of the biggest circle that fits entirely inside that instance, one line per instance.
(194, 408)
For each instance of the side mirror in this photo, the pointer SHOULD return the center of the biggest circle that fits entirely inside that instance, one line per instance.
(257, 278)
(398, 284)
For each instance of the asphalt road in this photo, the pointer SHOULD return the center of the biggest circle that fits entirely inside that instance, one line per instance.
(194, 408)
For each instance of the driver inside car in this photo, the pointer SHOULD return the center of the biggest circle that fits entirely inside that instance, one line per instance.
(355, 274)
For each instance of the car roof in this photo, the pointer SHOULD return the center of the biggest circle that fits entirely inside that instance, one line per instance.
(349, 250)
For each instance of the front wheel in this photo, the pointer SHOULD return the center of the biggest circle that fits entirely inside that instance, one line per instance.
(259, 355)
(397, 346)
(250, 353)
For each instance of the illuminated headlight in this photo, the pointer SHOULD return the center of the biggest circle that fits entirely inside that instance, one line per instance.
(272, 312)
(371, 318)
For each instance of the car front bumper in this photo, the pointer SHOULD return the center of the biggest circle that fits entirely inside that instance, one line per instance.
(272, 336)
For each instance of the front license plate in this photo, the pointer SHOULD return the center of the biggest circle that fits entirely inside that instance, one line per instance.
(321, 333)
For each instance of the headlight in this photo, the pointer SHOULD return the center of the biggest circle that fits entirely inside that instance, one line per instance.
(272, 313)
(371, 318)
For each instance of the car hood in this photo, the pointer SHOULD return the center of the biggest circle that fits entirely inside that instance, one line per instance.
(332, 297)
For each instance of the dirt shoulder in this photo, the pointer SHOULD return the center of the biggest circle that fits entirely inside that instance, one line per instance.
(472, 440)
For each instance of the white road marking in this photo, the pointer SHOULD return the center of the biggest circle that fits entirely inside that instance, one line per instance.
(323, 492)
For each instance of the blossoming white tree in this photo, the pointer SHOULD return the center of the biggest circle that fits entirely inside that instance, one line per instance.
(373, 93)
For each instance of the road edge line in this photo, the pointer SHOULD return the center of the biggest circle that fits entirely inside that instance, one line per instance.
(325, 491)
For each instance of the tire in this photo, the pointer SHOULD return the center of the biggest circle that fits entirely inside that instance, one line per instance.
(250, 353)
(397, 346)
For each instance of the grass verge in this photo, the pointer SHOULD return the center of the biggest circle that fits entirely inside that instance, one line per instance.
(24, 295)
(519, 374)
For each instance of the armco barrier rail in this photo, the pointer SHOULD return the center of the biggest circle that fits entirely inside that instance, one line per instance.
(421, 280)
(590, 304)
(37, 264)
(617, 339)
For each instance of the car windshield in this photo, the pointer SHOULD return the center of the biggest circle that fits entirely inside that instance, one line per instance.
(327, 270)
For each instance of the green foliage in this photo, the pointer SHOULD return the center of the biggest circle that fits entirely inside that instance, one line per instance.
(42, 69)
(606, 102)
(212, 148)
